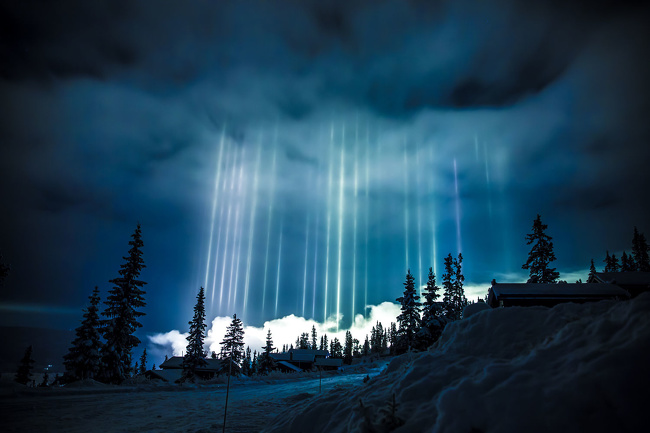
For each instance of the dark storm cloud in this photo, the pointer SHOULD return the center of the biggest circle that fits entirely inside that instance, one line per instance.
(113, 112)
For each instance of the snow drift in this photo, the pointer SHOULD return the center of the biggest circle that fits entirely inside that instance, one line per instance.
(569, 368)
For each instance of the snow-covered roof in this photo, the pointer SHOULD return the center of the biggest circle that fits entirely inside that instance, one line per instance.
(302, 357)
(289, 365)
(625, 278)
(282, 356)
(568, 290)
(176, 363)
(173, 362)
(170, 375)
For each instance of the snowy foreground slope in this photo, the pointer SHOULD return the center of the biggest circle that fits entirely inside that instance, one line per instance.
(569, 368)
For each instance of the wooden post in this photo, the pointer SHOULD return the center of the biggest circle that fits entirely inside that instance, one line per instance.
(225, 409)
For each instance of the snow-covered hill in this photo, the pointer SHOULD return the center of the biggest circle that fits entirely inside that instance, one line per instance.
(569, 368)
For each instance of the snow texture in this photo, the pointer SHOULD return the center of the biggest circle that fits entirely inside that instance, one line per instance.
(570, 368)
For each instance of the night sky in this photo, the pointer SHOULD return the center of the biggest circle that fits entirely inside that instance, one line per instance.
(296, 157)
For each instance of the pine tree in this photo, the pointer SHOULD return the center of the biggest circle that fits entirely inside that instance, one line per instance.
(255, 364)
(640, 252)
(314, 346)
(448, 285)
(324, 344)
(194, 358)
(232, 346)
(366, 347)
(540, 255)
(265, 361)
(83, 360)
(592, 273)
(336, 350)
(459, 291)
(303, 342)
(46, 380)
(376, 336)
(627, 263)
(409, 319)
(392, 338)
(432, 322)
(143, 362)
(24, 372)
(347, 350)
(615, 266)
(122, 314)
(608, 262)
(246, 365)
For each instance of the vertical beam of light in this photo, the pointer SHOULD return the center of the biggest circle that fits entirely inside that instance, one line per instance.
(329, 218)
(487, 180)
(313, 299)
(354, 236)
(304, 277)
(406, 205)
(367, 211)
(239, 225)
(225, 246)
(419, 218)
(432, 212)
(215, 196)
(270, 216)
(277, 278)
(251, 226)
(458, 239)
(341, 189)
(224, 182)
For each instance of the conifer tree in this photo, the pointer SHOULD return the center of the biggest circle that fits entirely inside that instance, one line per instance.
(540, 255)
(314, 346)
(83, 360)
(347, 350)
(627, 263)
(303, 341)
(246, 365)
(24, 372)
(448, 286)
(409, 319)
(611, 263)
(459, 280)
(122, 314)
(194, 358)
(392, 338)
(336, 349)
(46, 380)
(265, 361)
(608, 262)
(592, 273)
(432, 322)
(143, 362)
(324, 343)
(255, 363)
(640, 252)
(366, 347)
(232, 345)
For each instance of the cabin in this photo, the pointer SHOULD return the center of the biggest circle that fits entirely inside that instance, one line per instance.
(634, 282)
(172, 369)
(305, 359)
(549, 295)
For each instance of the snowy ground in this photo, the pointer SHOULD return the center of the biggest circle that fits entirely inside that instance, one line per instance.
(573, 368)
(93, 407)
